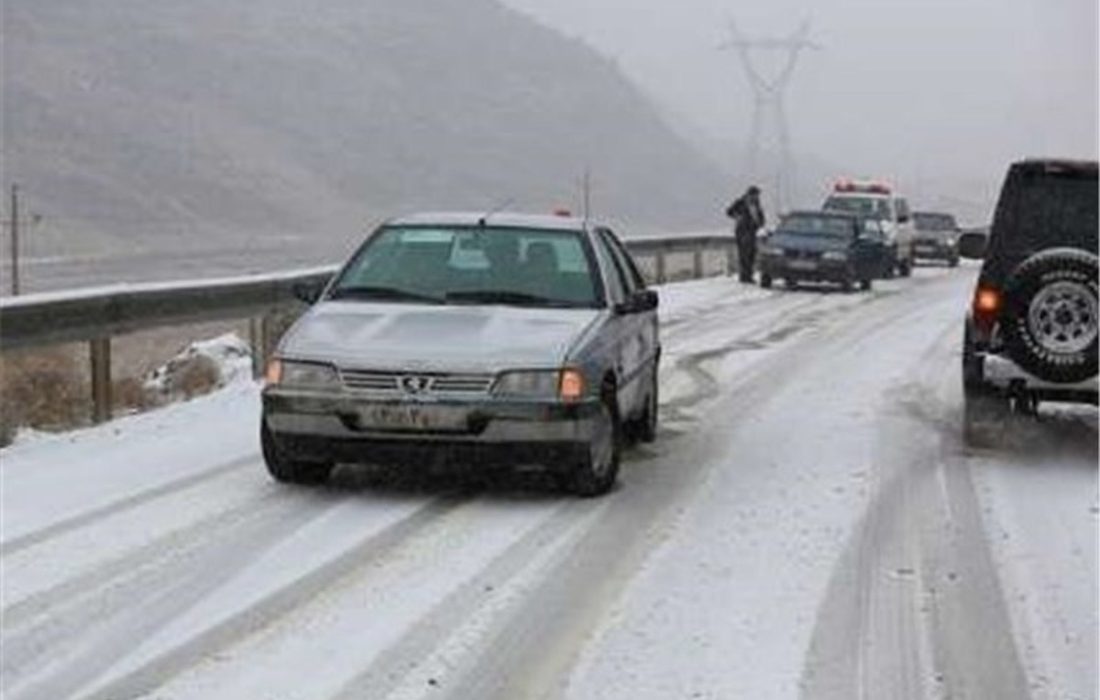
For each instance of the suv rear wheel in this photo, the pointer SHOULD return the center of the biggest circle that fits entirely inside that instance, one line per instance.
(1051, 315)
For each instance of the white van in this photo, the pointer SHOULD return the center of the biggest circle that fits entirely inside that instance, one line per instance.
(878, 200)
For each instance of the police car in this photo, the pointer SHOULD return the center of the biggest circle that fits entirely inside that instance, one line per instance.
(874, 199)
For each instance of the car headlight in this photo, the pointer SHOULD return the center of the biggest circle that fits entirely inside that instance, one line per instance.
(301, 374)
(566, 384)
(835, 255)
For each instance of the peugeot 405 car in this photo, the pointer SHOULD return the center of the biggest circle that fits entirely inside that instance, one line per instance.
(486, 341)
(825, 246)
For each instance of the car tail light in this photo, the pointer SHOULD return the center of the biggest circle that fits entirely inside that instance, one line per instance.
(571, 387)
(987, 306)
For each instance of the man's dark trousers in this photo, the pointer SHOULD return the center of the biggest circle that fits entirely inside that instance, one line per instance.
(746, 254)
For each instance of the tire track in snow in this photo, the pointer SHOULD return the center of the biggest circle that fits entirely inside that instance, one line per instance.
(61, 527)
(272, 605)
(389, 669)
(914, 608)
(117, 572)
(55, 642)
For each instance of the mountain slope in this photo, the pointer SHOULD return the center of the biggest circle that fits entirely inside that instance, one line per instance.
(215, 121)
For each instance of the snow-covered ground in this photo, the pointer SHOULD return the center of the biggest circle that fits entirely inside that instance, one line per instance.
(808, 524)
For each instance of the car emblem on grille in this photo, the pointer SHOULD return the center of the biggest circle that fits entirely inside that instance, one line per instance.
(415, 385)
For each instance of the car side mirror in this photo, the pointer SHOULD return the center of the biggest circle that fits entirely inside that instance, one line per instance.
(307, 292)
(972, 245)
(641, 301)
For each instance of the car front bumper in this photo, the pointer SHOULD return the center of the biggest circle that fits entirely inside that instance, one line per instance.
(934, 250)
(819, 269)
(483, 431)
(1006, 376)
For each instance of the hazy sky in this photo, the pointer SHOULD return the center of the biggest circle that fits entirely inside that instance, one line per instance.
(910, 89)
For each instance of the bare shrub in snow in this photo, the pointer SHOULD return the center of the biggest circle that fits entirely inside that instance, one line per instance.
(200, 368)
(42, 388)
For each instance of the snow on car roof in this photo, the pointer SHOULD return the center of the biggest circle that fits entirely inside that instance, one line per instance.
(499, 220)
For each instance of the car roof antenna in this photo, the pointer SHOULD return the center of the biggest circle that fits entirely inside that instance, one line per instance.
(499, 207)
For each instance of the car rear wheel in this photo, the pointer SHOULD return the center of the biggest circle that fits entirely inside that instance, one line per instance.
(598, 469)
(284, 468)
(765, 281)
(865, 284)
(1050, 322)
(647, 426)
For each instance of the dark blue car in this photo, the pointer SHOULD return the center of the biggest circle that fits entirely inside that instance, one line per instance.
(825, 246)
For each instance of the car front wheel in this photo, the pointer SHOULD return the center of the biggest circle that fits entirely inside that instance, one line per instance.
(284, 468)
(598, 467)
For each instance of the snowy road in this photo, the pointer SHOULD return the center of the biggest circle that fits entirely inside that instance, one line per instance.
(807, 525)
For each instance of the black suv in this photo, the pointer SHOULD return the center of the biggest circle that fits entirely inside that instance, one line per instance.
(1032, 328)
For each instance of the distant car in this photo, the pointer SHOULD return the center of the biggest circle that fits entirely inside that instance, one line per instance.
(823, 246)
(487, 341)
(1031, 333)
(936, 237)
(879, 200)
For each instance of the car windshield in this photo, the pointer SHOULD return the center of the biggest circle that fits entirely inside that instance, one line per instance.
(934, 222)
(878, 207)
(810, 225)
(472, 265)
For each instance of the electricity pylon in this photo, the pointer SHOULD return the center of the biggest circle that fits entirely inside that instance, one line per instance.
(770, 136)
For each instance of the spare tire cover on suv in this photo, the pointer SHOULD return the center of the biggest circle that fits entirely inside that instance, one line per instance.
(1050, 317)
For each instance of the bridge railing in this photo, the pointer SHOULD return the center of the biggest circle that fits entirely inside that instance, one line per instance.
(96, 316)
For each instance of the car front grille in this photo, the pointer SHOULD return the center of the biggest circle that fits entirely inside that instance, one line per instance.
(792, 254)
(429, 383)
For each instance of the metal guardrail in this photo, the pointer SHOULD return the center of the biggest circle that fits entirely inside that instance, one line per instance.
(96, 316)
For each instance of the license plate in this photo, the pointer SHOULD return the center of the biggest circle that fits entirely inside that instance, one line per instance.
(803, 264)
(413, 417)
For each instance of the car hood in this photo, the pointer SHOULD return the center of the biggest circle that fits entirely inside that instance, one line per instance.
(445, 338)
(813, 243)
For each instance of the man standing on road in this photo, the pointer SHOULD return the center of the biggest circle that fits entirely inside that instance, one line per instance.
(748, 216)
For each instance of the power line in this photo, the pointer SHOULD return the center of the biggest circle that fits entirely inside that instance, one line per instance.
(770, 132)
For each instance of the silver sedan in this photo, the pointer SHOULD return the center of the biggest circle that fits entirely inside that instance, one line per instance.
(486, 341)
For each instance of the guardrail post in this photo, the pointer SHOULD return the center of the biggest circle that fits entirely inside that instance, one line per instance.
(100, 355)
(261, 336)
(258, 350)
(697, 262)
(661, 278)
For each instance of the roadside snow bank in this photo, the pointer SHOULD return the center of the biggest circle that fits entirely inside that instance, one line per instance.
(201, 367)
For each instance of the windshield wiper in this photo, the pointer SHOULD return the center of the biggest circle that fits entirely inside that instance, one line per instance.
(501, 296)
(385, 293)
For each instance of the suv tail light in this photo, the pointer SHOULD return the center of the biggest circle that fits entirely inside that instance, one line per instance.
(987, 307)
